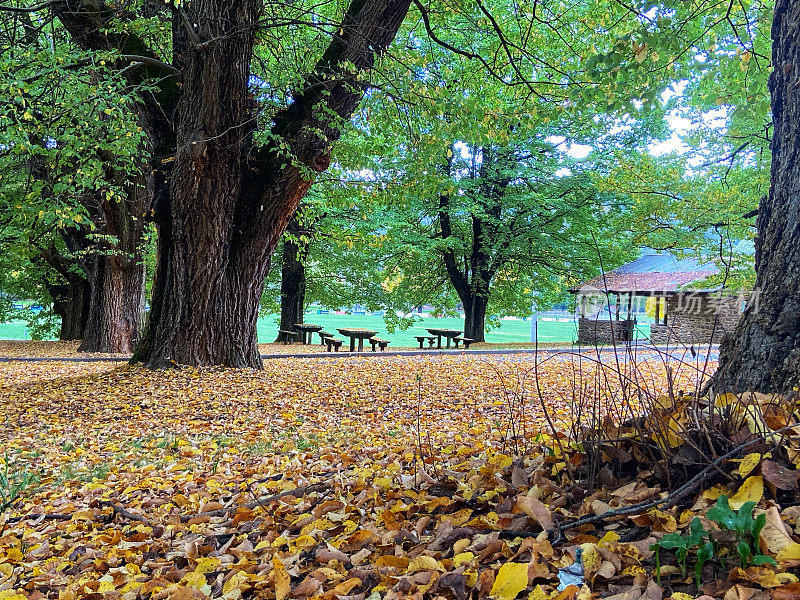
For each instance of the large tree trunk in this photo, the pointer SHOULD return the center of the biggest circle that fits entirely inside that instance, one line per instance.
(71, 303)
(475, 317)
(116, 271)
(208, 307)
(70, 299)
(763, 353)
(230, 205)
(116, 306)
(293, 280)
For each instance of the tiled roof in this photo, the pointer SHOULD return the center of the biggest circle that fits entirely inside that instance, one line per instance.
(653, 273)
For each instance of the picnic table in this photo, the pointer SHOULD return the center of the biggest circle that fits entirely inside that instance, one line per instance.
(307, 330)
(354, 334)
(444, 333)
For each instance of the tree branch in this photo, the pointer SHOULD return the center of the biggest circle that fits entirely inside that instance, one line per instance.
(28, 9)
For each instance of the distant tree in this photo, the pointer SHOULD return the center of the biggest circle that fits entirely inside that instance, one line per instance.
(504, 228)
(72, 173)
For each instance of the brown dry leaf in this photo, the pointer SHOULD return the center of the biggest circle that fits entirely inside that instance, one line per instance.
(455, 582)
(740, 592)
(536, 509)
(606, 570)
(653, 591)
(186, 593)
(774, 535)
(519, 479)
(786, 592)
(485, 582)
(324, 479)
(763, 576)
(658, 520)
(781, 477)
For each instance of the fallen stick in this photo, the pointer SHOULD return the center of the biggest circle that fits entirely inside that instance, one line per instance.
(126, 514)
(259, 503)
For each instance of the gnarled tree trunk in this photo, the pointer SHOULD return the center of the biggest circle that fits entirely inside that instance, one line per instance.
(763, 352)
(116, 305)
(229, 202)
(116, 274)
(70, 299)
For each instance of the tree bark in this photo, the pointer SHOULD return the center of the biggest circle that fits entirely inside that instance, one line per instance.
(71, 298)
(475, 317)
(71, 303)
(116, 306)
(229, 203)
(473, 282)
(116, 273)
(763, 352)
(293, 278)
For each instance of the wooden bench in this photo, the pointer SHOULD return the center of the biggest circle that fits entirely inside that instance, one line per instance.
(332, 342)
(287, 336)
(467, 341)
(422, 338)
(322, 336)
(378, 342)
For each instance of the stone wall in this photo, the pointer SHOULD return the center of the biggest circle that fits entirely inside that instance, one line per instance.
(690, 319)
(602, 331)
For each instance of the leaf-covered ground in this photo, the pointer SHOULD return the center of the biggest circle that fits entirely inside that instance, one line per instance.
(348, 478)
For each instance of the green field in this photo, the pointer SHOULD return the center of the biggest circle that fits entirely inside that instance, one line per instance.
(14, 330)
(509, 332)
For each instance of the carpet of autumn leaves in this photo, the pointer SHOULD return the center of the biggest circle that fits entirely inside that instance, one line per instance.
(349, 478)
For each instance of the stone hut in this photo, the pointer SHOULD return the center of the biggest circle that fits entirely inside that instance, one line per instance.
(684, 315)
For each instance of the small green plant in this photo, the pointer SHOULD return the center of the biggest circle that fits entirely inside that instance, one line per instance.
(682, 545)
(747, 529)
(742, 523)
(13, 482)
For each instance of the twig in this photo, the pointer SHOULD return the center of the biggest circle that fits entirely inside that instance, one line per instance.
(29, 9)
(301, 491)
(667, 501)
(126, 514)
(256, 498)
(119, 510)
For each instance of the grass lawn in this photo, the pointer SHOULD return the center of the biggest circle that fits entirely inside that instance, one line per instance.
(14, 330)
(510, 332)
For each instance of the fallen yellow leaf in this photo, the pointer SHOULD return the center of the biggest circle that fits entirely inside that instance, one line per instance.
(282, 579)
(751, 491)
(748, 463)
(511, 579)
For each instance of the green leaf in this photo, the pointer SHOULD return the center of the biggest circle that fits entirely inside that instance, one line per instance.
(722, 514)
(758, 526)
(672, 541)
(704, 554)
(743, 549)
(697, 533)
